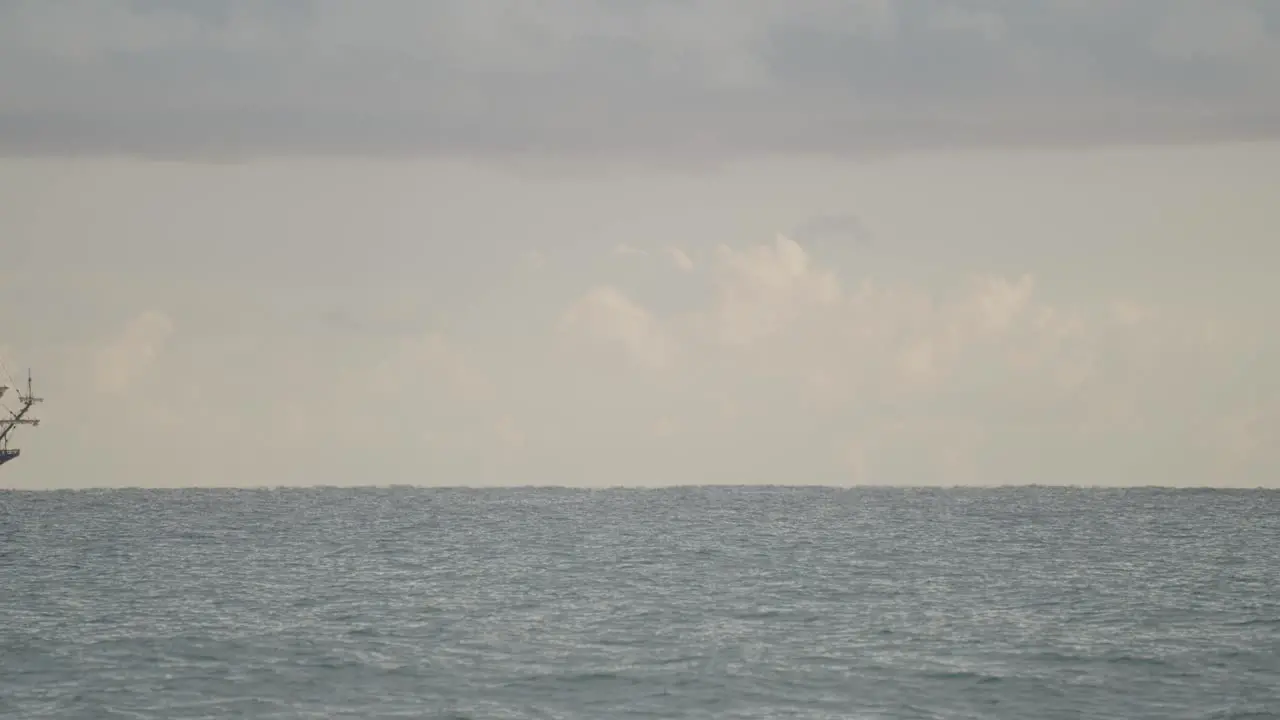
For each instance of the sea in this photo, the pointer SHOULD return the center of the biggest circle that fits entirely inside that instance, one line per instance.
(696, 602)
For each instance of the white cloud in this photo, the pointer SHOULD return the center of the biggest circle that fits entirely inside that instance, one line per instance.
(764, 288)
(605, 314)
(971, 342)
(408, 387)
(119, 363)
(294, 393)
(429, 361)
(999, 301)
(967, 369)
(625, 249)
(892, 376)
(680, 259)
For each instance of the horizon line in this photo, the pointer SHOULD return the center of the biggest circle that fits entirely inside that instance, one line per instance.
(643, 488)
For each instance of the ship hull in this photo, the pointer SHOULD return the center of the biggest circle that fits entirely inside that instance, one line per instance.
(7, 455)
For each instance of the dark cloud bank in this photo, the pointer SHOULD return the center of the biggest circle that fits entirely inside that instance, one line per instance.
(605, 78)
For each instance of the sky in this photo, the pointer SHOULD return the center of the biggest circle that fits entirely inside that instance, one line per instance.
(602, 242)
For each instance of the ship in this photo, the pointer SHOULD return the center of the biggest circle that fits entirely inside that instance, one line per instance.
(10, 419)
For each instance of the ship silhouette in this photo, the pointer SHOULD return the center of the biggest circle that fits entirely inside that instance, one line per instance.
(15, 418)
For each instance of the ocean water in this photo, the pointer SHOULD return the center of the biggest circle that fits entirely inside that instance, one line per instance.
(677, 603)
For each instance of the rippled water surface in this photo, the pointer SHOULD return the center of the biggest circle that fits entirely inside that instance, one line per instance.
(704, 602)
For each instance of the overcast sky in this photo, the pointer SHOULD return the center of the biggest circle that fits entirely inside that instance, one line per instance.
(607, 242)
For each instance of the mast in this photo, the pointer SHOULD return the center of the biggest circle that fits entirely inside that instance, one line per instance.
(15, 419)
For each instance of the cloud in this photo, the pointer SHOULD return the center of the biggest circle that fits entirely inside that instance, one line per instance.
(593, 78)
(774, 300)
(384, 333)
(680, 259)
(605, 314)
(416, 364)
(904, 375)
(120, 362)
(391, 395)
(762, 289)
(625, 249)
(305, 406)
(785, 367)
